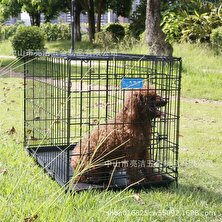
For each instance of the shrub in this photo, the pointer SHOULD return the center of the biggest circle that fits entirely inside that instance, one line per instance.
(50, 31)
(7, 31)
(216, 40)
(64, 31)
(1, 37)
(126, 27)
(143, 37)
(104, 39)
(117, 30)
(27, 39)
(55, 32)
(198, 27)
(128, 43)
(171, 25)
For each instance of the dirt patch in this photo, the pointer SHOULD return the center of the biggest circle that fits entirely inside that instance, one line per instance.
(207, 71)
(4, 72)
(201, 101)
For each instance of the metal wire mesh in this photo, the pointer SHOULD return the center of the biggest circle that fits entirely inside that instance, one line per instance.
(67, 97)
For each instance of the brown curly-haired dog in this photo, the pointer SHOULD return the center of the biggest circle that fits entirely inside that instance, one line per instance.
(127, 137)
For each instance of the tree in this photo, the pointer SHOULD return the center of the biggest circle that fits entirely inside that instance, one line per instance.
(88, 6)
(101, 7)
(121, 7)
(79, 8)
(50, 8)
(9, 8)
(34, 9)
(138, 19)
(155, 37)
(91, 20)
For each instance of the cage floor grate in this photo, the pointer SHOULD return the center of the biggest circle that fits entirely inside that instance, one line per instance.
(55, 164)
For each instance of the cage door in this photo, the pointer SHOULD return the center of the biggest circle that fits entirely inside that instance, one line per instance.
(47, 102)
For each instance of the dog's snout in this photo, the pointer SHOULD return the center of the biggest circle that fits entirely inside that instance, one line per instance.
(161, 102)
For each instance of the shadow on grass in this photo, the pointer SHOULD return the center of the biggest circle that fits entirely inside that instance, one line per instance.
(187, 190)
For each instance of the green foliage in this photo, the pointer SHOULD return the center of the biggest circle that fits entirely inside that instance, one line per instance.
(50, 9)
(171, 25)
(189, 20)
(143, 37)
(121, 7)
(53, 8)
(1, 36)
(189, 6)
(55, 32)
(64, 31)
(104, 39)
(126, 27)
(173, 12)
(198, 27)
(10, 8)
(101, 5)
(28, 39)
(216, 40)
(7, 31)
(117, 30)
(137, 19)
(128, 43)
(52, 32)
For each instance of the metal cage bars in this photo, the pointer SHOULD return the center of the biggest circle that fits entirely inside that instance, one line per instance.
(66, 96)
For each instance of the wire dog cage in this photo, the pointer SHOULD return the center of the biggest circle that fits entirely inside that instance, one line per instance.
(75, 107)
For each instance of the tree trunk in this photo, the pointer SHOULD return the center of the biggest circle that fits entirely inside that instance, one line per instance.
(91, 20)
(35, 19)
(99, 14)
(98, 25)
(155, 37)
(78, 36)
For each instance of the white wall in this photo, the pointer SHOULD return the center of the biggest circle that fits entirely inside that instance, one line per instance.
(26, 18)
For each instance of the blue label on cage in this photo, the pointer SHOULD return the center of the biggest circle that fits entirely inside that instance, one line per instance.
(132, 83)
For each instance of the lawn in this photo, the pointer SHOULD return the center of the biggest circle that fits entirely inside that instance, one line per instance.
(26, 192)
(202, 69)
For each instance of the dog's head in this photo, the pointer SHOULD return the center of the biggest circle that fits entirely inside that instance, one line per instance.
(143, 105)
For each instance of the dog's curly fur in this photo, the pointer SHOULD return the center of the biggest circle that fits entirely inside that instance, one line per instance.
(129, 130)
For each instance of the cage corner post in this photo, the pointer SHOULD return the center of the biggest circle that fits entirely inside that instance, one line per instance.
(24, 101)
(178, 120)
(69, 85)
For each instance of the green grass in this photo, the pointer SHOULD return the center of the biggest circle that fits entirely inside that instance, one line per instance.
(25, 190)
(64, 46)
(6, 48)
(202, 69)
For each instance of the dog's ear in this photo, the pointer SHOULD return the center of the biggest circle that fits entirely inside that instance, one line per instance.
(131, 106)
